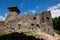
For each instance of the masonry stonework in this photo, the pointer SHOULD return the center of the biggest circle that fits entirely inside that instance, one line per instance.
(38, 22)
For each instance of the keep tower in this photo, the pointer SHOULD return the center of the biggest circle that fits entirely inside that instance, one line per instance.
(13, 14)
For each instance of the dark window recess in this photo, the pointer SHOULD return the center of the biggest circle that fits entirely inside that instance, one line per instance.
(38, 25)
(48, 29)
(42, 18)
(35, 14)
(34, 18)
(17, 18)
(32, 24)
(19, 24)
(47, 17)
(7, 27)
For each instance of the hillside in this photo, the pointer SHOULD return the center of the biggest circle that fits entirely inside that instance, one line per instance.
(29, 36)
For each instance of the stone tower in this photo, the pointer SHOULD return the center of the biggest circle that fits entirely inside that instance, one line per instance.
(47, 23)
(13, 14)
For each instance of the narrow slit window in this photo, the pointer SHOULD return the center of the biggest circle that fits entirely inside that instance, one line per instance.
(42, 18)
(48, 29)
(19, 27)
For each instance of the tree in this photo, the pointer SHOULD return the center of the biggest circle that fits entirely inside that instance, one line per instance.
(56, 23)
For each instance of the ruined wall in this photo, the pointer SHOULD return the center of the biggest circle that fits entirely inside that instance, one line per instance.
(40, 22)
(2, 26)
(46, 22)
(29, 22)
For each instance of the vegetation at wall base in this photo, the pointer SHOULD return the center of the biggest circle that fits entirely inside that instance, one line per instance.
(56, 23)
(17, 36)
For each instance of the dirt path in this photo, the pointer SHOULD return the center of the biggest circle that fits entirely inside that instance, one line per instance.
(48, 37)
(57, 36)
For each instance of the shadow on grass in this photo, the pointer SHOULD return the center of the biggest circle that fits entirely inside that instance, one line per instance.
(18, 36)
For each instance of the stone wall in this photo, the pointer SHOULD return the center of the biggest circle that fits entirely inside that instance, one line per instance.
(39, 22)
(11, 17)
(2, 27)
(47, 22)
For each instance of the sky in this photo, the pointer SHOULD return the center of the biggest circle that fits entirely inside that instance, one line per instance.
(30, 7)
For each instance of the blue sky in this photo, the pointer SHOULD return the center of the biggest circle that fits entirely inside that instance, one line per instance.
(27, 6)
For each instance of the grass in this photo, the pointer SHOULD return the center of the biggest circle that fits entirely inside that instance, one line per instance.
(29, 33)
(2, 33)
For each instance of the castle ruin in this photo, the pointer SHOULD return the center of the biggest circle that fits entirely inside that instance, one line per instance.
(38, 22)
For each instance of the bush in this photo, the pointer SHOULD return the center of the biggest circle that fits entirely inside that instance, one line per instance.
(56, 23)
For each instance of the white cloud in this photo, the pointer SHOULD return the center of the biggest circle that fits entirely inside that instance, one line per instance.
(6, 15)
(32, 11)
(55, 10)
(55, 13)
(57, 6)
(25, 13)
(37, 7)
(2, 18)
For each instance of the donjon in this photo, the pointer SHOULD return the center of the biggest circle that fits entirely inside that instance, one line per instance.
(38, 22)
